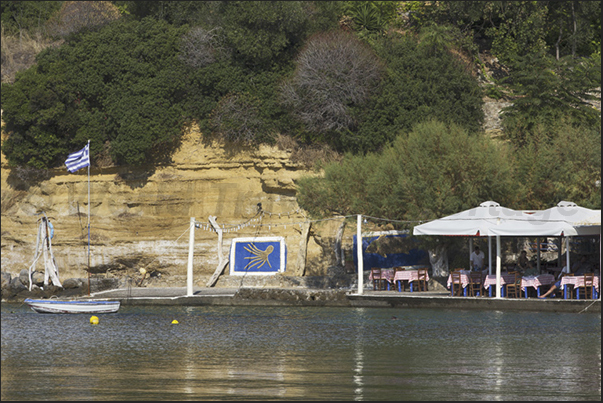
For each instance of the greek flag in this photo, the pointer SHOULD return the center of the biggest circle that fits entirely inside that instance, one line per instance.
(78, 159)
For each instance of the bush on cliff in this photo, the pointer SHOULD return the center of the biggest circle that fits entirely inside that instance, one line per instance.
(433, 171)
(122, 84)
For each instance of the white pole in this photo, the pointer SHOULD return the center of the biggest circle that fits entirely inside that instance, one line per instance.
(489, 255)
(470, 252)
(498, 266)
(189, 270)
(567, 254)
(538, 254)
(359, 255)
(88, 217)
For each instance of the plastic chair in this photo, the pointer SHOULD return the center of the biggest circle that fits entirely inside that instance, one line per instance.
(514, 288)
(586, 291)
(456, 288)
(475, 284)
(378, 279)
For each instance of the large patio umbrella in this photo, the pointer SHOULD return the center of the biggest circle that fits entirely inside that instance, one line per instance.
(490, 219)
(566, 219)
(473, 222)
(477, 221)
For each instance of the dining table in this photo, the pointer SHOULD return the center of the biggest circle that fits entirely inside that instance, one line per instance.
(387, 275)
(578, 281)
(536, 282)
(465, 280)
(505, 278)
(410, 275)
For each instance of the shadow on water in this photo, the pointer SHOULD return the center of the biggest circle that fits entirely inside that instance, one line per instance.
(300, 353)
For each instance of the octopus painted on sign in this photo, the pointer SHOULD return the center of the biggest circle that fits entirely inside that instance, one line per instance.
(258, 255)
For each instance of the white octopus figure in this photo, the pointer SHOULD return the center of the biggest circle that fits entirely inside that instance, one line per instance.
(259, 256)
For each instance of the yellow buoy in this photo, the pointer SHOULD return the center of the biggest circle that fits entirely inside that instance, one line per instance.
(174, 322)
(94, 320)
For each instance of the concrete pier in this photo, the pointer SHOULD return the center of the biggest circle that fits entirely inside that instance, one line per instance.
(246, 296)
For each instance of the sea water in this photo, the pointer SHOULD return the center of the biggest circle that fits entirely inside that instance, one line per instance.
(300, 353)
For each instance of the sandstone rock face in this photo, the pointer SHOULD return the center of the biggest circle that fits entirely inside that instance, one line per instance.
(140, 218)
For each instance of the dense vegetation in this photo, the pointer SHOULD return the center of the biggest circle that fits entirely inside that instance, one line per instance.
(391, 85)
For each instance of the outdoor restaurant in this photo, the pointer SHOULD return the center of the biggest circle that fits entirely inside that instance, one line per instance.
(566, 231)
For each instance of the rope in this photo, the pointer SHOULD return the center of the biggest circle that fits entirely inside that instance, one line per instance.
(588, 307)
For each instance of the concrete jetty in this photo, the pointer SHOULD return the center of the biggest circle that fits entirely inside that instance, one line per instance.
(246, 296)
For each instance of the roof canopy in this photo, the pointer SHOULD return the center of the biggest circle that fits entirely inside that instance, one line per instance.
(490, 219)
(566, 219)
(477, 221)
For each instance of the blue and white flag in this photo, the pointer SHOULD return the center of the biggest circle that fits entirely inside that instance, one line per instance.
(78, 159)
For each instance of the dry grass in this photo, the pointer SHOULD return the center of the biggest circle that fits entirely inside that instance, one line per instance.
(19, 52)
(103, 159)
(309, 156)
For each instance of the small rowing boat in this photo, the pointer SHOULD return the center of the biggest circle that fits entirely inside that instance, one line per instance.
(58, 306)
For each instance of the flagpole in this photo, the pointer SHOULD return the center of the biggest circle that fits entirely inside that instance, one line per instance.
(88, 219)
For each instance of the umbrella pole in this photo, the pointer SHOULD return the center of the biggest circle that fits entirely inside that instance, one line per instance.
(489, 255)
(538, 254)
(567, 253)
(359, 254)
(470, 251)
(498, 264)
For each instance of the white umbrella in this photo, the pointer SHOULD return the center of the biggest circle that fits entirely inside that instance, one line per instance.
(490, 219)
(477, 221)
(566, 219)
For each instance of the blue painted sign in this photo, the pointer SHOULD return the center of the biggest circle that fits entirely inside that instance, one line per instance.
(261, 255)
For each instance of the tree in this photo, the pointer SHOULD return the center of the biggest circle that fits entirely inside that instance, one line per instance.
(422, 83)
(26, 16)
(122, 84)
(435, 170)
(334, 72)
(565, 165)
(199, 47)
(262, 33)
(74, 16)
(550, 91)
(372, 16)
(237, 119)
(517, 28)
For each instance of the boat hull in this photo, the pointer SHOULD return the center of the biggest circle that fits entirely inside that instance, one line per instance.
(56, 306)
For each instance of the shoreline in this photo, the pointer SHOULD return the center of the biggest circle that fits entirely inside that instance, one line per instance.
(263, 296)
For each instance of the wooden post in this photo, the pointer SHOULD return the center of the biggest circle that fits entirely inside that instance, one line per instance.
(221, 261)
(339, 258)
(303, 250)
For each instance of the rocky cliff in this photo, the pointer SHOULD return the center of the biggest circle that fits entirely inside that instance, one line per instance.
(141, 218)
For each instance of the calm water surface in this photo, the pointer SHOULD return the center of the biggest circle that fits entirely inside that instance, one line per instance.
(300, 353)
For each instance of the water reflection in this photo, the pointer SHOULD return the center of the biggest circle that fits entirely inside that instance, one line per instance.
(264, 353)
(359, 355)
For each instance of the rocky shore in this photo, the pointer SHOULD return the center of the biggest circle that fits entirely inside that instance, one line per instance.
(15, 288)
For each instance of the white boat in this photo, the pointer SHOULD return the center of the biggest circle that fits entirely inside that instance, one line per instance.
(58, 306)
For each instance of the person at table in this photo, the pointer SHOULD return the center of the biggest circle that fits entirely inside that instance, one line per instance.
(477, 259)
(577, 266)
(525, 266)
